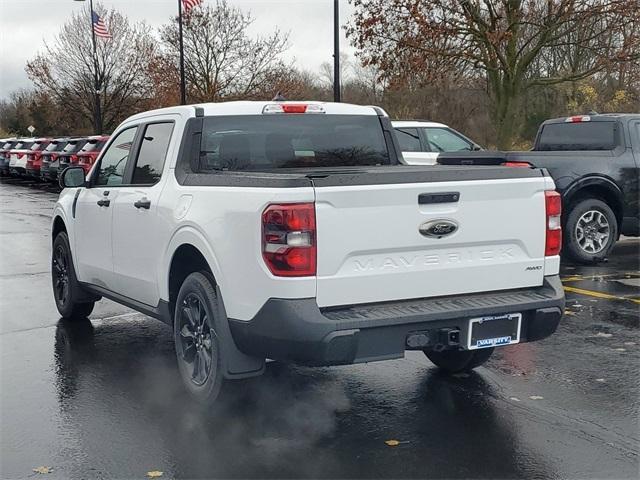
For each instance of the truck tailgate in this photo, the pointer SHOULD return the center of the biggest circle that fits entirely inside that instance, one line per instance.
(371, 248)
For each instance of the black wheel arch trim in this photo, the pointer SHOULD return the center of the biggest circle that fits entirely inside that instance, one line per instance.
(589, 181)
(599, 181)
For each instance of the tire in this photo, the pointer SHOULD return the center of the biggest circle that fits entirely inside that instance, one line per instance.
(456, 361)
(196, 340)
(72, 302)
(590, 232)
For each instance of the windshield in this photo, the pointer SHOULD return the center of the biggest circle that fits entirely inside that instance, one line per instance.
(266, 142)
(577, 136)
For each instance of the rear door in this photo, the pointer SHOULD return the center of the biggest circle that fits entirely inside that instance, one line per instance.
(376, 237)
(94, 213)
(136, 249)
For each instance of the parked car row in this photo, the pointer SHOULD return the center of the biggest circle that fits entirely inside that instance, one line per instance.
(44, 158)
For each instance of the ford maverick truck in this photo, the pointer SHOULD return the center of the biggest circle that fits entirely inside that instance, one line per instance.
(290, 231)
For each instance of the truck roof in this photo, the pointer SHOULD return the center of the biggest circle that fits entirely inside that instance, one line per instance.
(596, 117)
(256, 108)
(417, 123)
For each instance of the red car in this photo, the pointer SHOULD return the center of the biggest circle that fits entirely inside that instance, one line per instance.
(34, 157)
(89, 153)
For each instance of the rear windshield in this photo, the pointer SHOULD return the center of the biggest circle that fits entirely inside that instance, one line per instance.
(55, 146)
(7, 146)
(578, 136)
(23, 145)
(266, 142)
(74, 146)
(92, 145)
(38, 146)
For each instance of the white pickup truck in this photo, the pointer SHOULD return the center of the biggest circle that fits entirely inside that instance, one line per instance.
(289, 231)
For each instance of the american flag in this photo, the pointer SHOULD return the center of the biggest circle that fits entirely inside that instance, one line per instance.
(99, 27)
(187, 5)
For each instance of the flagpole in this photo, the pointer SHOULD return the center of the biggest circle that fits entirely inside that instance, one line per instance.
(183, 89)
(96, 83)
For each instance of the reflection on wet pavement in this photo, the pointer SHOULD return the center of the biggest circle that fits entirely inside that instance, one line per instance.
(102, 399)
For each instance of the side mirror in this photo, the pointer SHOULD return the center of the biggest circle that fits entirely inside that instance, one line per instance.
(72, 177)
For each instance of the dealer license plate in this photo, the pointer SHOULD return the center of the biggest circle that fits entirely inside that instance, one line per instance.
(494, 331)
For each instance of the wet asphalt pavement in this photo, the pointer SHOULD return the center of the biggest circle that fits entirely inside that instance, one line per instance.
(102, 399)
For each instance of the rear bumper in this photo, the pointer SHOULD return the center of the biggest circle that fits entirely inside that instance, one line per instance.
(299, 331)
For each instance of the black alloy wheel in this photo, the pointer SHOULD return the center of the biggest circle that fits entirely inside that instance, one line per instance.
(196, 339)
(72, 301)
(197, 343)
(60, 271)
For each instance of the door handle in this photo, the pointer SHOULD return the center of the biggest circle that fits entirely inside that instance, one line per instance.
(143, 203)
(104, 203)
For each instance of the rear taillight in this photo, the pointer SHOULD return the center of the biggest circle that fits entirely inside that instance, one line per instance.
(517, 164)
(289, 239)
(553, 206)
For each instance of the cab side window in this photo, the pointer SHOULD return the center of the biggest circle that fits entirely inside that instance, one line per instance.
(444, 140)
(409, 139)
(114, 160)
(152, 154)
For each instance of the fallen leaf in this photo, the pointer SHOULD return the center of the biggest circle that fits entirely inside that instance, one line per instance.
(600, 380)
(536, 397)
(515, 399)
(570, 313)
(43, 470)
(392, 443)
(620, 349)
(629, 343)
(154, 474)
(603, 335)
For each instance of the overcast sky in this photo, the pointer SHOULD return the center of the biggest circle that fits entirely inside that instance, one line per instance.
(25, 24)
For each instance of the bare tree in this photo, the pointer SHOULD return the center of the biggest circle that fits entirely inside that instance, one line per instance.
(65, 69)
(326, 71)
(514, 44)
(221, 60)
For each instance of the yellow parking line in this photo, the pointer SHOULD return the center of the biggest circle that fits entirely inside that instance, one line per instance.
(604, 296)
(578, 278)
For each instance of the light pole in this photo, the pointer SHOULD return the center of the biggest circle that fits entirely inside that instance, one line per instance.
(97, 114)
(336, 51)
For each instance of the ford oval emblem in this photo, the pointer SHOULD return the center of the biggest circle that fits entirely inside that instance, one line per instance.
(438, 228)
